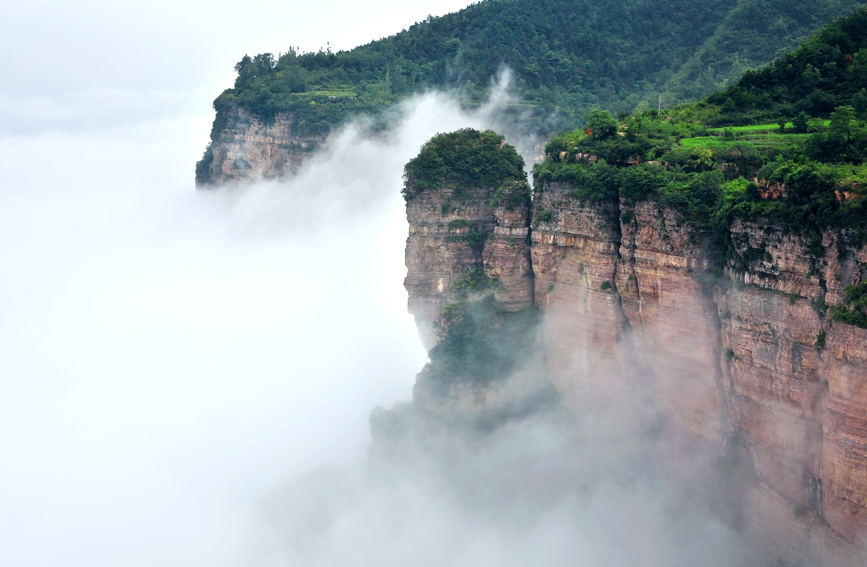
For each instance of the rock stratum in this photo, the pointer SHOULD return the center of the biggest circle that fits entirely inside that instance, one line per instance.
(246, 149)
(633, 305)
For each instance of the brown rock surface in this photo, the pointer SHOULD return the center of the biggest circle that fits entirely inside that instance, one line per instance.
(575, 261)
(249, 150)
(799, 406)
(673, 319)
(632, 309)
(452, 236)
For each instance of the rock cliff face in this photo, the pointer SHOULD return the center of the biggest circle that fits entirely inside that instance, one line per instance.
(749, 358)
(797, 386)
(248, 149)
(461, 242)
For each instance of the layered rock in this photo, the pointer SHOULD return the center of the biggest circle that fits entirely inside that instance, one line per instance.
(575, 252)
(461, 242)
(248, 149)
(625, 310)
(797, 388)
(663, 282)
(748, 359)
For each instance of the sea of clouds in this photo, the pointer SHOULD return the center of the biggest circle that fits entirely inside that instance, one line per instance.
(186, 377)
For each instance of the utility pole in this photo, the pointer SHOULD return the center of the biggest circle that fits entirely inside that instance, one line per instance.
(659, 106)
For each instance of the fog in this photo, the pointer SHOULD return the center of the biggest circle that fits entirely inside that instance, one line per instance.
(170, 358)
(187, 378)
(166, 355)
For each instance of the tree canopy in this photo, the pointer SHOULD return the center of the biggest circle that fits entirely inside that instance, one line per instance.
(463, 159)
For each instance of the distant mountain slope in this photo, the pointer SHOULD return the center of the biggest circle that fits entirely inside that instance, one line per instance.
(827, 71)
(567, 56)
(753, 33)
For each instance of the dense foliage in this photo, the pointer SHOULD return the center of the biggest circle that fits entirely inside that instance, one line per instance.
(567, 56)
(785, 147)
(777, 158)
(827, 72)
(462, 160)
(853, 309)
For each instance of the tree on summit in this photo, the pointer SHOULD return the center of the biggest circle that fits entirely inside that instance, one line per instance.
(600, 124)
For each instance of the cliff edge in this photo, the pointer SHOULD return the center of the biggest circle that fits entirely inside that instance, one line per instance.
(742, 332)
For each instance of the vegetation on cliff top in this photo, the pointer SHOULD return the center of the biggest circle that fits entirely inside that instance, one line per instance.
(797, 157)
(567, 56)
(786, 146)
(462, 160)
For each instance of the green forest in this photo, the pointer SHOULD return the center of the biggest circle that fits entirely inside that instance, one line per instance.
(567, 57)
(786, 145)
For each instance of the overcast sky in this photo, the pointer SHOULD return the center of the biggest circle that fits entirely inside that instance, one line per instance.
(94, 62)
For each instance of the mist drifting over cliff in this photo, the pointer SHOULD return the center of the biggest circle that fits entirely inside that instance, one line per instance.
(188, 376)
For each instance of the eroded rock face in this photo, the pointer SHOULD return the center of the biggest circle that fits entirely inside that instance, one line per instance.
(458, 242)
(250, 150)
(625, 312)
(798, 389)
(575, 251)
(749, 358)
(662, 282)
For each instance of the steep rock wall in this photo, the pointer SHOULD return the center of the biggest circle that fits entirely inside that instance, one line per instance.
(625, 312)
(797, 389)
(574, 253)
(634, 306)
(662, 281)
(248, 149)
(460, 241)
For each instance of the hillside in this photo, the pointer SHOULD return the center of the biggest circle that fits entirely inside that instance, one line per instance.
(786, 143)
(566, 56)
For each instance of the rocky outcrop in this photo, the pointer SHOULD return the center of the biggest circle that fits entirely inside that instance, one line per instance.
(461, 243)
(745, 360)
(247, 149)
(663, 280)
(625, 310)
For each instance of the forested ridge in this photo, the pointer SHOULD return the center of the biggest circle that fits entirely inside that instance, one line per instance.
(785, 147)
(567, 56)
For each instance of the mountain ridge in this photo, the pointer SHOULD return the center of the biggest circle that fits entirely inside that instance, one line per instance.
(566, 59)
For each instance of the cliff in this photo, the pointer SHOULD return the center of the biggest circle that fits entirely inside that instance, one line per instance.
(552, 47)
(748, 361)
(465, 245)
(245, 148)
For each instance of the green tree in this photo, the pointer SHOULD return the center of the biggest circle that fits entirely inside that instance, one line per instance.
(801, 123)
(841, 122)
(601, 124)
(859, 103)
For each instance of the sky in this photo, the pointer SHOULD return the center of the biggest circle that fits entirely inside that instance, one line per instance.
(94, 63)
(169, 356)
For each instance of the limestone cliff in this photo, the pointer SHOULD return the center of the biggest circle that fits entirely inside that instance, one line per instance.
(464, 243)
(248, 149)
(748, 360)
(797, 388)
